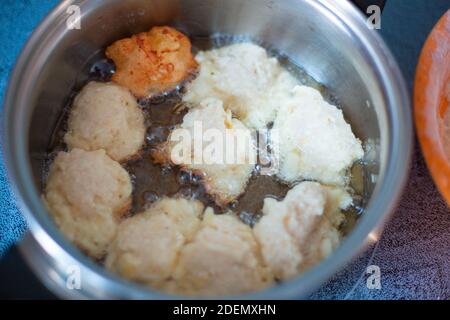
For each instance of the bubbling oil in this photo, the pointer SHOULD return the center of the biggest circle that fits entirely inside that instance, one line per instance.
(163, 113)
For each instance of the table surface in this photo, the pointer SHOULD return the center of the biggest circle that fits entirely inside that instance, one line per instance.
(413, 253)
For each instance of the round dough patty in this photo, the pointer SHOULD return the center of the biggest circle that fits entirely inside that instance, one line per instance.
(302, 229)
(86, 193)
(223, 259)
(106, 116)
(147, 245)
(223, 181)
(315, 141)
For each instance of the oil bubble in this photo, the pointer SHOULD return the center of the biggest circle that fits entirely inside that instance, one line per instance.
(157, 135)
(149, 197)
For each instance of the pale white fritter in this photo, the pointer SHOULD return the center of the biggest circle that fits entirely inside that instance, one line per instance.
(224, 180)
(106, 116)
(315, 141)
(170, 248)
(248, 81)
(147, 245)
(222, 259)
(326, 237)
(301, 230)
(86, 193)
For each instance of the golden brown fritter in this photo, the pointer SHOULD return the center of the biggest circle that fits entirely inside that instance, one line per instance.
(152, 62)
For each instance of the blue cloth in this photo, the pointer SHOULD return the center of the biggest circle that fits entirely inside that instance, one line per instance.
(413, 252)
(17, 21)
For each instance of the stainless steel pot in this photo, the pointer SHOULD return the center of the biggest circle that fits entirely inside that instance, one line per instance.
(329, 39)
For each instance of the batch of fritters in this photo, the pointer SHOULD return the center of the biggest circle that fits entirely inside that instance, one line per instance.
(179, 245)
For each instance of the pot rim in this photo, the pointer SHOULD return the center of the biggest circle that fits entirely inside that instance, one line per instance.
(106, 285)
